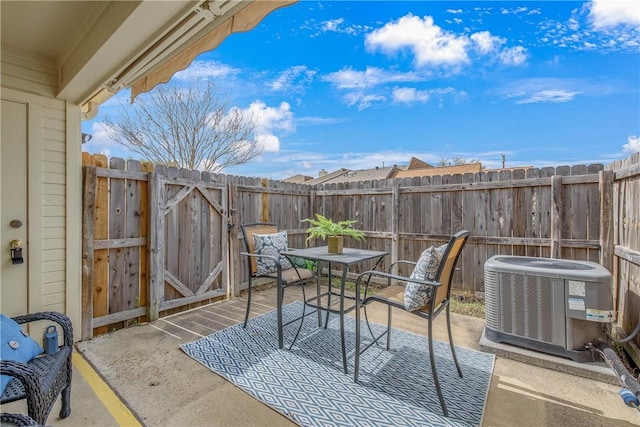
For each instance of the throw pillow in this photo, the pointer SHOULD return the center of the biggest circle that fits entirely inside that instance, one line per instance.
(16, 345)
(417, 295)
(270, 244)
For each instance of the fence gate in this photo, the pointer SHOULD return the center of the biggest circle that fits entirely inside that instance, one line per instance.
(188, 240)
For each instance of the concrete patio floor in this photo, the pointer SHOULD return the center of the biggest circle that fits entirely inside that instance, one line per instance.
(164, 387)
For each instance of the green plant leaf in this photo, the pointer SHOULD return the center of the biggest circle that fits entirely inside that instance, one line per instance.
(323, 227)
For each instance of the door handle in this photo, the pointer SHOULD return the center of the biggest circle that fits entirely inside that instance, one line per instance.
(16, 252)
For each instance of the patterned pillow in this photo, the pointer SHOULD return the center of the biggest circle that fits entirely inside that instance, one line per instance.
(270, 244)
(416, 295)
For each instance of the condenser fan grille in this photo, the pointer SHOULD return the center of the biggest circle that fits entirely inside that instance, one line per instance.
(555, 264)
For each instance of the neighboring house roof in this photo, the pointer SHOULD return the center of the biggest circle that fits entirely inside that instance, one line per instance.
(357, 175)
(326, 177)
(415, 163)
(298, 179)
(444, 170)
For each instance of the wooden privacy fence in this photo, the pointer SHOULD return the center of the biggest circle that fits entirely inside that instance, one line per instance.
(564, 212)
(625, 205)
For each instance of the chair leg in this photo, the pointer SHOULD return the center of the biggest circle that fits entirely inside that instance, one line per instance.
(453, 350)
(434, 371)
(65, 408)
(356, 362)
(246, 316)
(388, 327)
(304, 309)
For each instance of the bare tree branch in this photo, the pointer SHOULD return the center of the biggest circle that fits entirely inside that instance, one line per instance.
(185, 127)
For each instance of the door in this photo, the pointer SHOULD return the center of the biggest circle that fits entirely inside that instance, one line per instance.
(13, 208)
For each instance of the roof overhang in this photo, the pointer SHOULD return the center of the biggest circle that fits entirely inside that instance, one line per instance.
(100, 47)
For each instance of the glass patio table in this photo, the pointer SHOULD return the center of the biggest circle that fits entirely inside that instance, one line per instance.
(348, 257)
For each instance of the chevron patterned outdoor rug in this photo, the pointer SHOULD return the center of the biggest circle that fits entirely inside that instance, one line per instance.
(308, 385)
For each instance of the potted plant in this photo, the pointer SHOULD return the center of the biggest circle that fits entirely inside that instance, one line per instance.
(333, 232)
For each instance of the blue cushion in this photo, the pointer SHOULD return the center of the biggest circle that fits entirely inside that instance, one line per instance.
(16, 345)
(416, 295)
(270, 244)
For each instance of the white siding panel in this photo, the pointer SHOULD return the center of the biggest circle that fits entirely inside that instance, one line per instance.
(51, 266)
(49, 166)
(56, 189)
(53, 134)
(28, 73)
(54, 287)
(53, 276)
(54, 209)
(53, 178)
(53, 302)
(53, 222)
(51, 200)
(52, 255)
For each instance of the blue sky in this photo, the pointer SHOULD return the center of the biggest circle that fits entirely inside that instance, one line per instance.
(359, 84)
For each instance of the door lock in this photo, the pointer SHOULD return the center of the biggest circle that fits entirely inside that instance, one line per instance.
(16, 252)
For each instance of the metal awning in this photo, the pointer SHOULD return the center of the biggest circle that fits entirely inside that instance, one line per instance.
(201, 29)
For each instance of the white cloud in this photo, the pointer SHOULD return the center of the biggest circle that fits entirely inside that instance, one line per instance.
(363, 100)
(409, 95)
(609, 13)
(549, 95)
(337, 25)
(269, 121)
(430, 44)
(268, 142)
(434, 47)
(454, 11)
(293, 79)
(487, 43)
(332, 25)
(513, 55)
(348, 78)
(632, 145)
(206, 70)
(514, 11)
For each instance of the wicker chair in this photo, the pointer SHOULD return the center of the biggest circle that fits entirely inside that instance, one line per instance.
(393, 297)
(41, 380)
(18, 420)
(284, 277)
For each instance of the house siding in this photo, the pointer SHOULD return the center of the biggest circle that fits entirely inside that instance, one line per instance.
(32, 80)
(28, 73)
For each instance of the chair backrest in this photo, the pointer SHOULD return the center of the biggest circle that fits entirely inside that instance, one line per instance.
(447, 266)
(248, 230)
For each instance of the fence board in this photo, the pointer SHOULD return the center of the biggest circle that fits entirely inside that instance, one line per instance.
(117, 261)
(132, 230)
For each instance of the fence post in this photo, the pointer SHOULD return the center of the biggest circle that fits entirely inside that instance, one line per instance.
(156, 245)
(232, 237)
(264, 202)
(556, 216)
(88, 213)
(395, 215)
(605, 181)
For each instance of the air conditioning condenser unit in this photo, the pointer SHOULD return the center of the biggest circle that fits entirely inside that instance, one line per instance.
(550, 305)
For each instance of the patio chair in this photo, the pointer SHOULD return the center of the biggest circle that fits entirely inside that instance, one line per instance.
(42, 379)
(426, 294)
(265, 261)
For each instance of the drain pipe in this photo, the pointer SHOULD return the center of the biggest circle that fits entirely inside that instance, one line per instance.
(630, 393)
